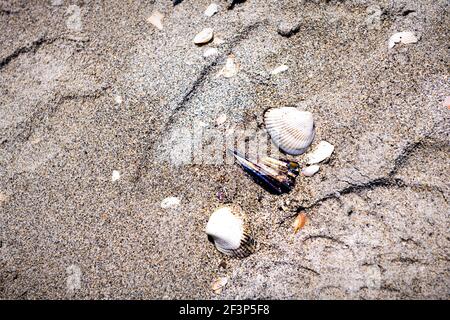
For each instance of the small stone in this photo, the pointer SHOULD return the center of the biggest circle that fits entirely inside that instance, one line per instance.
(3, 198)
(170, 202)
(218, 41)
(288, 28)
(118, 99)
(204, 36)
(221, 119)
(156, 19)
(279, 69)
(210, 52)
(115, 175)
(299, 222)
(447, 102)
(211, 10)
(310, 170)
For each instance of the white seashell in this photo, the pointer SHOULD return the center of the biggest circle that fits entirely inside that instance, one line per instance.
(310, 170)
(204, 36)
(322, 152)
(291, 130)
(115, 175)
(156, 19)
(221, 119)
(229, 233)
(279, 69)
(210, 52)
(211, 10)
(170, 202)
(405, 37)
(118, 99)
(230, 69)
(219, 284)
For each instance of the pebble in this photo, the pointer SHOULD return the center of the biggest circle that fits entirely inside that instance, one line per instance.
(279, 69)
(288, 28)
(310, 170)
(170, 202)
(211, 10)
(221, 119)
(218, 284)
(156, 19)
(204, 36)
(447, 102)
(115, 175)
(230, 69)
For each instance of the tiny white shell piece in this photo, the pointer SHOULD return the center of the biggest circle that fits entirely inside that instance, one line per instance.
(221, 119)
(229, 233)
(156, 19)
(170, 202)
(115, 175)
(210, 52)
(204, 36)
(219, 284)
(405, 37)
(291, 130)
(322, 152)
(230, 69)
(279, 69)
(211, 10)
(310, 170)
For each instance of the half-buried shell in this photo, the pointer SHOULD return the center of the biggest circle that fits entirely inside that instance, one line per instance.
(291, 130)
(230, 234)
(275, 175)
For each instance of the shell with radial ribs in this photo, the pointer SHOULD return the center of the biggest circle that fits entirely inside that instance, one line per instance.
(291, 130)
(230, 234)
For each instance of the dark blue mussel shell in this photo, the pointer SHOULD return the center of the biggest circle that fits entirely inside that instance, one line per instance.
(277, 176)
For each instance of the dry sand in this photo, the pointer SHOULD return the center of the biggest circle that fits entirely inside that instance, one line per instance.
(89, 87)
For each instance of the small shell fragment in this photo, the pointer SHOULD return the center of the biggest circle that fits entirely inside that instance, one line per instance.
(204, 36)
(447, 102)
(115, 175)
(230, 69)
(210, 52)
(310, 170)
(211, 10)
(322, 152)
(405, 37)
(299, 222)
(279, 69)
(218, 284)
(170, 202)
(156, 19)
(221, 119)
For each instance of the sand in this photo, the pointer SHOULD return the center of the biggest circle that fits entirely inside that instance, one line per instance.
(88, 89)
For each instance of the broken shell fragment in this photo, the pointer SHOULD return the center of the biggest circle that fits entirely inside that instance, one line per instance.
(218, 284)
(279, 69)
(115, 175)
(322, 152)
(310, 170)
(210, 52)
(277, 176)
(230, 234)
(156, 19)
(211, 10)
(405, 37)
(204, 36)
(230, 69)
(291, 130)
(299, 222)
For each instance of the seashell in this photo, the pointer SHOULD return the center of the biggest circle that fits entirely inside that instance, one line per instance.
(210, 52)
(156, 19)
(310, 170)
(230, 234)
(218, 284)
(405, 37)
(299, 222)
(291, 130)
(277, 176)
(115, 175)
(204, 36)
(170, 202)
(230, 69)
(279, 69)
(221, 119)
(211, 10)
(322, 152)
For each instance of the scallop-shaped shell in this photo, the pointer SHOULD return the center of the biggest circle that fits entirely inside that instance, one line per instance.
(291, 130)
(230, 234)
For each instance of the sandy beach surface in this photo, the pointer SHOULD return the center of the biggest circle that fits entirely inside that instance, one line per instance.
(95, 101)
